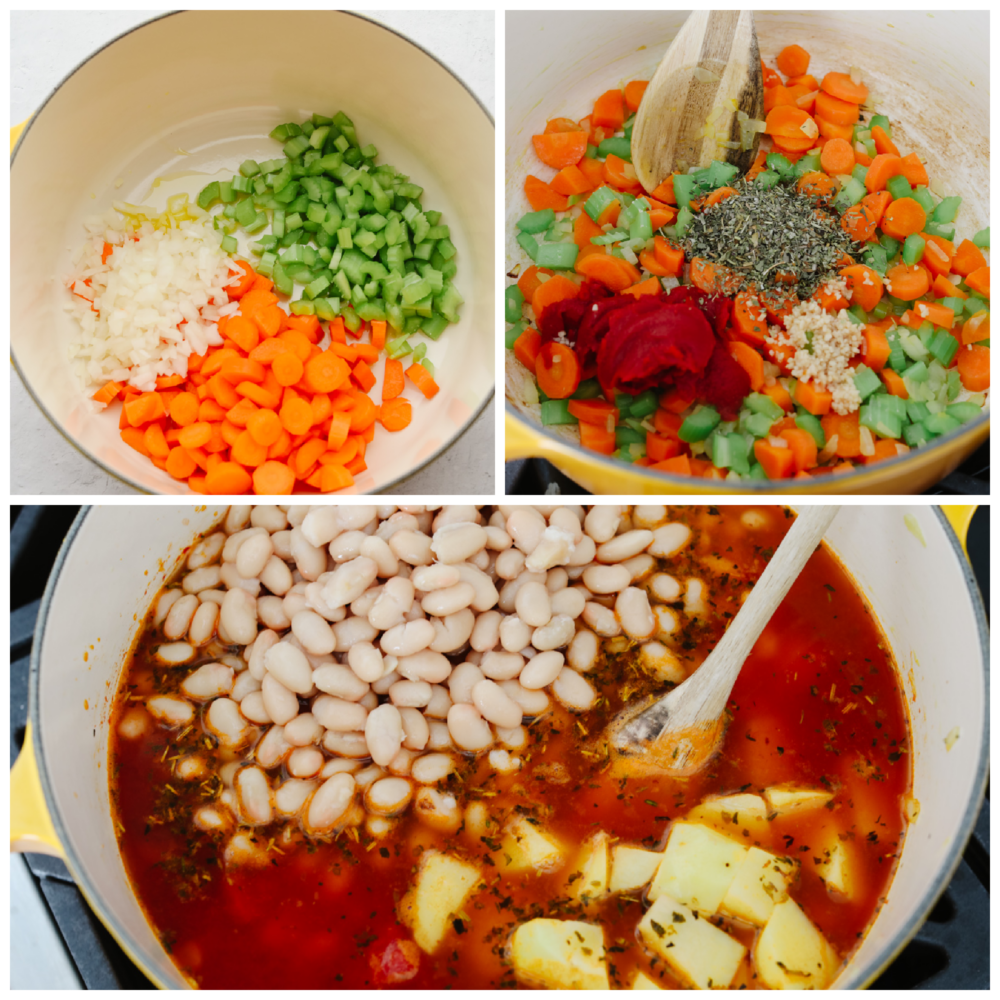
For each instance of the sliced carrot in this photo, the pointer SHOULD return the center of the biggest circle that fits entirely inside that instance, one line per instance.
(530, 282)
(396, 414)
(907, 282)
(144, 408)
(894, 383)
(680, 465)
(793, 60)
(609, 110)
(939, 254)
(227, 478)
(362, 376)
(931, 312)
(273, 479)
(248, 452)
(814, 398)
(835, 110)
(542, 195)
(597, 438)
(968, 258)
(264, 427)
(555, 289)
(876, 349)
(750, 361)
(620, 174)
(670, 258)
(847, 431)
(975, 328)
(883, 168)
(180, 464)
(943, 288)
(242, 282)
(570, 180)
(424, 381)
(634, 92)
(803, 447)
(974, 367)
(560, 149)
(156, 443)
(557, 370)
(831, 130)
(913, 170)
(659, 448)
(903, 217)
(865, 285)
(789, 122)
(837, 157)
(295, 414)
(777, 463)
(780, 395)
(883, 144)
(979, 281)
(651, 286)
(340, 427)
(841, 86)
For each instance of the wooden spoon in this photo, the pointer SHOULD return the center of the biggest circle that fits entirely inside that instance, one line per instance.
(713, 60)
(684, 728)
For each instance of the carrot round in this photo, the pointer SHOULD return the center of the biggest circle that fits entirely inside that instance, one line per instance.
(227, 477)
(396, 414)
(273, 479)
(858, 223)
(814, 398)
(802, 445)
(968, 258)
(555, 289)
(247, 451)
(790, 123)
(264, 427)
(392, 380)
(837, 157)
(818, 185)
(831, 130)
(841, 86)
(612, 272)
(750, 361)
(979, 280)
(974, 367)
(882, 169)
(526, 348)
(296, 415)
(883, 144)
(195, 435)
(835, 110)
(908, 283)
(560, 149)
(242, 282)
(609, 110)
(363, 413)
(903, 217)
(287, 367)
(180, 464)
(542, 195)
(793, 60)
(634, 92)
(594, 411)
(866, 285)
(423, 380)
(557, 370)
(326, 372)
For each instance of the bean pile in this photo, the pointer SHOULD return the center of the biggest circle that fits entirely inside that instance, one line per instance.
(339, 660)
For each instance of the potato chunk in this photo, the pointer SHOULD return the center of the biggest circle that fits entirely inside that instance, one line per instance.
(443, 884)
(695, 949)
(761, 881)
(785, 799)
(560, 954)
(592, 867)
(837, 869)
(632, 867)
(643, 982)
(528, 847)
(698, 867)
(742, 817)
(791, 954)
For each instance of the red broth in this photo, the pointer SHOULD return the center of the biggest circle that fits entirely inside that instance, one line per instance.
(818, 703)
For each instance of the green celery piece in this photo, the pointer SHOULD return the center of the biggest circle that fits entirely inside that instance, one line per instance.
(912, 344)
(528, 244)
(768, 179)
(963, 412)
(850, 194)
(700, 424)
(943, 346)
(947, 210)
(875, 257)
(917, 372)
(557, 255)
(758, 402)
(513, 303)
(915, 435)
(941, 423)
(945, 230)
(866, 381)
(923, 198)
(720, 174)
(246, 214)
(684, 185)
(982, 238)
(899, 187)
(589, 388)
(208, 195)
(913, 249)
(775, 161)
(878, 417)
(810, 423)
(759, 424)
(287, 131)
(890, 244)
(616, 146)
(645, 404)
(556, 411)
(859, 173)
(434, 325)
(598, 202)
(626, 435)
(683, 220)
(882, 122)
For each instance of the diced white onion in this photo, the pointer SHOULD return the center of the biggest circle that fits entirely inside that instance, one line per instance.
(704, 75)
(856, 76)
(867, 442)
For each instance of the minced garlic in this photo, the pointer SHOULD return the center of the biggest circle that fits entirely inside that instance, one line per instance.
(824, 343)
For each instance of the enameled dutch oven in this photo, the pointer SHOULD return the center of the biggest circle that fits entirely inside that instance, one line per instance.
(932, 75)
(908, 561)
(197, 92)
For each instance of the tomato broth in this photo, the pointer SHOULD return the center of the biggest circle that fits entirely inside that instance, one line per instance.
(818, 704)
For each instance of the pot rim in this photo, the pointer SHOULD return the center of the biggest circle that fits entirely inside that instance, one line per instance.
(121, 477)
(859, 980)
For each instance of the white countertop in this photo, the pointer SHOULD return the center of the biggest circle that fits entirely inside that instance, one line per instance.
(45, 47)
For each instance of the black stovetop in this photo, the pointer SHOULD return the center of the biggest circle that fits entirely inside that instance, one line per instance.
(950, 952)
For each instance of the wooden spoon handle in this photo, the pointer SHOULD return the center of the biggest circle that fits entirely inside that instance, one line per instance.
(708, 689)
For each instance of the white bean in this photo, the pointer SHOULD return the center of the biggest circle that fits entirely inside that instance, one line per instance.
(254, 794)
(340, 681)
(289, 666)
(309, 559)
(291, 795)
(346, 744)
(314, 633)
(201, 579)
(438, 810)
(208, 681)
(573, 691)
(452, 631)
(303, 730)
(244, 684)
(468, 728)
(338, 715)
(583, 651)
(486, 593)
(513, 739)
(271, 612)
(166, 600)
(525, 526)
(600, 579)
(268, 516)
(486, 632)
(669, 539)
(179, 616)
(558, 632)
(253, 555)
(601, 619)
(437, 707)
(455, 543)
(533, 703)
(134, 723)
(412, 547)
(432, 768)
(639, 566)
(602, 521)
(203, 624)
(425, 666)
(233, 581)
(494, 705)
(694, 598)
(304, 762)
(624, 546)
(666, 621)
(273, 749)
(349, 581)
(174, 654)
(384, 733)
(635, 614)
(252, 707)
(378, 550)
(170, 709)
(449, 600)
(276, 576)
(262, 644)
(510, 564)
(224, 721)
(415, 730)
(320, 526)
(329, 803)
(238, 517)
(365, 660)
(207, 550)
(409, 638)
(282, 542)
(238, 617)
(388, 796)
(514, 634)
(340, 765)
(280, 703)
(657, 657)
(439, 737)
(541, 670)
(555, 548)
(664, 587)
(501, 666)
(412, 694)
(392, 604)
(436, 577)
(352, 630)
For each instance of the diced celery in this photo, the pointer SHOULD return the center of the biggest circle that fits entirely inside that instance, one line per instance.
(923, 198)
(758, 402)
(913, 249)
(683, 220)
(768, 179)
(513, 303)
(557, 255)
(644, 405)
(866, 381)
(963, 412)
(556, 411)
(700, 424)
(890, 244)
(526, 241)
(775, 161)
(758, 424)
(941, 423)
(589, 388)
(882, 122)
(982, 238)
(947, 210)
(915, 435)
(912, 344)
(850, 194)
(626, 435)
(944, 230)
(943, 346)
(899, 187)
(875, 257)
(598, 202)
(880, 418)
(616, 146)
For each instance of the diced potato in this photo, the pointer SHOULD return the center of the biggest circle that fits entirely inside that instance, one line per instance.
(838, 869)
(560, 954)
(592, 866)
(632, 867)
(695, 949)
(698, 867)
(527, 847)
(791, 954)
(785, 799)
(643, 982)
(742, 817)
(762, 881)
(443, 884)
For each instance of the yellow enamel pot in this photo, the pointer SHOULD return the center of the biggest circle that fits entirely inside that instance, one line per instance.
(932, 76)
(186, 98)
(907, 561)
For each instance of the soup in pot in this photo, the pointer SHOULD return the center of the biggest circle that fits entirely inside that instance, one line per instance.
(367, 746)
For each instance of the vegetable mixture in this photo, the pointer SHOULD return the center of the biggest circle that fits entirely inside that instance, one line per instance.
(817, 314)
(220, 385)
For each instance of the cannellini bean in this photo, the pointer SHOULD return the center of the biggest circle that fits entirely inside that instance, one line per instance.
(497, 539)
(494, 705)
(235, 542)
(237, 518)
(600, 579)
(346, 744)
(164, 603)
(555, 580)
(273, 748)
(208, 681)
(304, 730)
(541, 670)
(224, 721)
(321, 525)
(666, 621)
(170, 709)
(238, 617)
(210, 819)
(304, 762)
(409, 638)
(437, 707)
(192, 768)
(355, 516)
(639, 566)
(262, 645)
(438, 810)
(455, 543)
(276, 576)
(207, 550)
(468, 728)
(415, 730)
(436, 577)
(352, 630)
(314, 633)
(412, 547)
(694, 598)
(282, 542)
(555, 548)
(290, 666)
(362, 605)
(503, 763)
(253, 555)
(510, 564)
(583, 651)
(669, 540)
(134, 723)
(271, 612)
(432, 768)
(558, 632)
(365, 660)
(486, 593)
(400, 764)
(309, 559)
(525, 526)
(425, 666)
(463, 679)
(203, 624)
(439, 737)
(384, 733)
(601, 619)
(452, 631)
(368, 775)
(507, 600)
(448, 600)
(513, 739)
(601, 522)
(412, 694)
(634, 613)
(252, 707)
(514, 634)
(392, 604)
(174, 654)
(477, 821)
(533, 703)
(338, 715)
(268, 516)
(329, 803)
(280, 703)
(244, 684)
(500, 666)
(388, 678)
(624, 546)
(657, 657)
(254, 794)
(378, 550)
(582, 555)
(349, 581)
(486, 632)
(201, 579)
(573, 691)
(179, 616)
(290, 796)
(388, 796)
(664, 587)
(244, 850)
(233, 581)
(338, 765)
(648, 515)
(340, 681)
